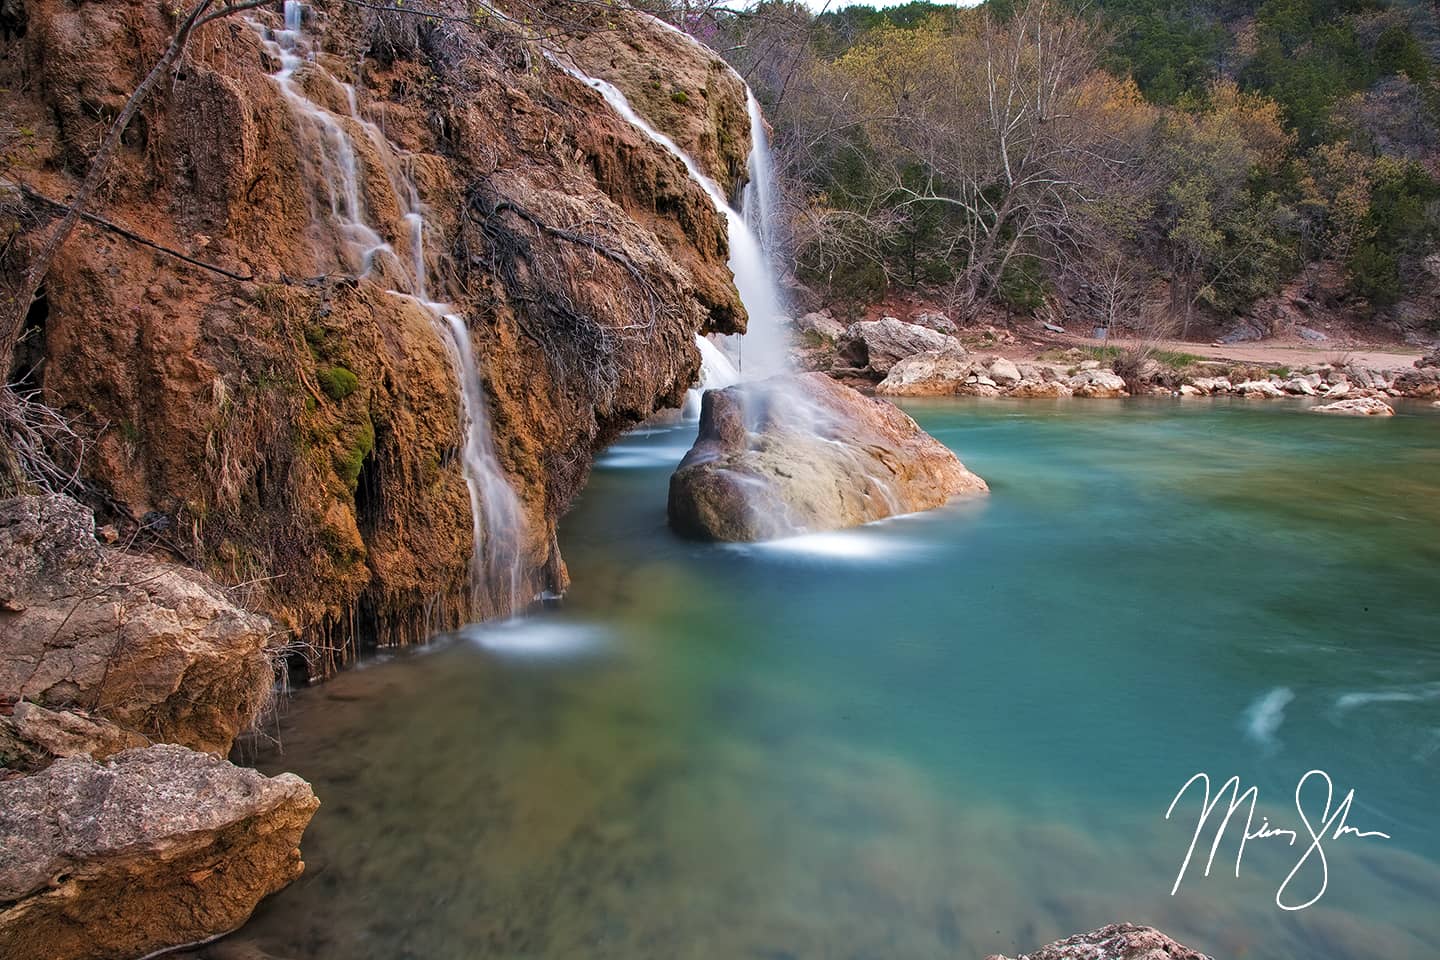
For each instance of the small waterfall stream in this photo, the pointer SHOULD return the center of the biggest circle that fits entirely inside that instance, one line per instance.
(496, 564)
(764, 348)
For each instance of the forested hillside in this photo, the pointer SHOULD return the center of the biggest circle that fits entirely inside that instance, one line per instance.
(1152, 163)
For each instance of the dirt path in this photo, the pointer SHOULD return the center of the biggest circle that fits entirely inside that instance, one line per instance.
(1386, 357)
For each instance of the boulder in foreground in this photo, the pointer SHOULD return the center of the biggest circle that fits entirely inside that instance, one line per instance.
(152, 849)
(1358, 407)
(1118, 941)
(804, 454)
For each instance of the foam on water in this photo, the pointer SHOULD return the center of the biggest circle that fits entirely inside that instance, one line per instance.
(1349, 701)
(1265, 715)
(859, 544)
(535, 637)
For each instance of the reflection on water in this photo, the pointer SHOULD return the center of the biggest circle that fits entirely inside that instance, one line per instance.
(943, 735)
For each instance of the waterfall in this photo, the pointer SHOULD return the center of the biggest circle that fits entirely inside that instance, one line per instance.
(764, 350)
(758, 200)
(496, 562)
(716, 373)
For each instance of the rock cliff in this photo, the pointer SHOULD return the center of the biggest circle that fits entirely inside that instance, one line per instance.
(263, 406)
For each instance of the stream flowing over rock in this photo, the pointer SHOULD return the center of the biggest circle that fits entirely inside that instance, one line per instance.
(152, 848)
(804, 454)
(300, 428)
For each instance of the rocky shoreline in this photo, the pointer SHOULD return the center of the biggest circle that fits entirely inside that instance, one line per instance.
(126, 681)
(924, 357)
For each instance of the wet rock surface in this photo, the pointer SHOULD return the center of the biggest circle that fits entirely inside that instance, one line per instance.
(297, 431)
(804, 454)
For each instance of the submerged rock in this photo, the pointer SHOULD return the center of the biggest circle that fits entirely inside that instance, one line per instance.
(1118, 941)
(877, 345)
(154, 848)
(804, 454)
(1358, 407)
(154, 649)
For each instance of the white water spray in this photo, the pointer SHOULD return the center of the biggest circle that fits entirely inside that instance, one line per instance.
(496, 570)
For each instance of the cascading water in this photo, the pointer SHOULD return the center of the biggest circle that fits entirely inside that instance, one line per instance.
(765, 346)
(758, 200)
(496, 564)
(716, 373)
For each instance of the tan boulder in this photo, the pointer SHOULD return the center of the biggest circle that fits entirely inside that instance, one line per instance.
(1041, 390)
(1258, 388)
(821, 456)
(153, 648)
(878, 345)
(1358, 407)
(1097, 384)
(1004, 372)
(152, 849)
(934, 373)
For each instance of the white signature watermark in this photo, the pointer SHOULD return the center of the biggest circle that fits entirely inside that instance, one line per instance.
(1331, 825)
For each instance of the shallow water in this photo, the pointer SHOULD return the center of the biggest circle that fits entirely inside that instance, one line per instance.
(941, 735)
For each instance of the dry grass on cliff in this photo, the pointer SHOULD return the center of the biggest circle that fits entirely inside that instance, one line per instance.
(39, 448)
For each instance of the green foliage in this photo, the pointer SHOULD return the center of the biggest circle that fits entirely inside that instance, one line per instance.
(1402, 223)
(680, 97)
(1271, 131)
(337, 382)
(1170, 51)
(1022, 285)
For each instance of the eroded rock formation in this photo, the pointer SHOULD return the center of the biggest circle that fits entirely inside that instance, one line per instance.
(298, 430)
(803, 454)
(152, 848)
(112, 649)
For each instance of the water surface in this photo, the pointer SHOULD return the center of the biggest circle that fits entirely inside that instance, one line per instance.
(939, 736)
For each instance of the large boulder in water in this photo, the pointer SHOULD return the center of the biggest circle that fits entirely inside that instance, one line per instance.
(802, 454)
(1358, 407)
(152, 849)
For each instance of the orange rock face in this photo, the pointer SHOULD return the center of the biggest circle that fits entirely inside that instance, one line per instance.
(298, 431)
